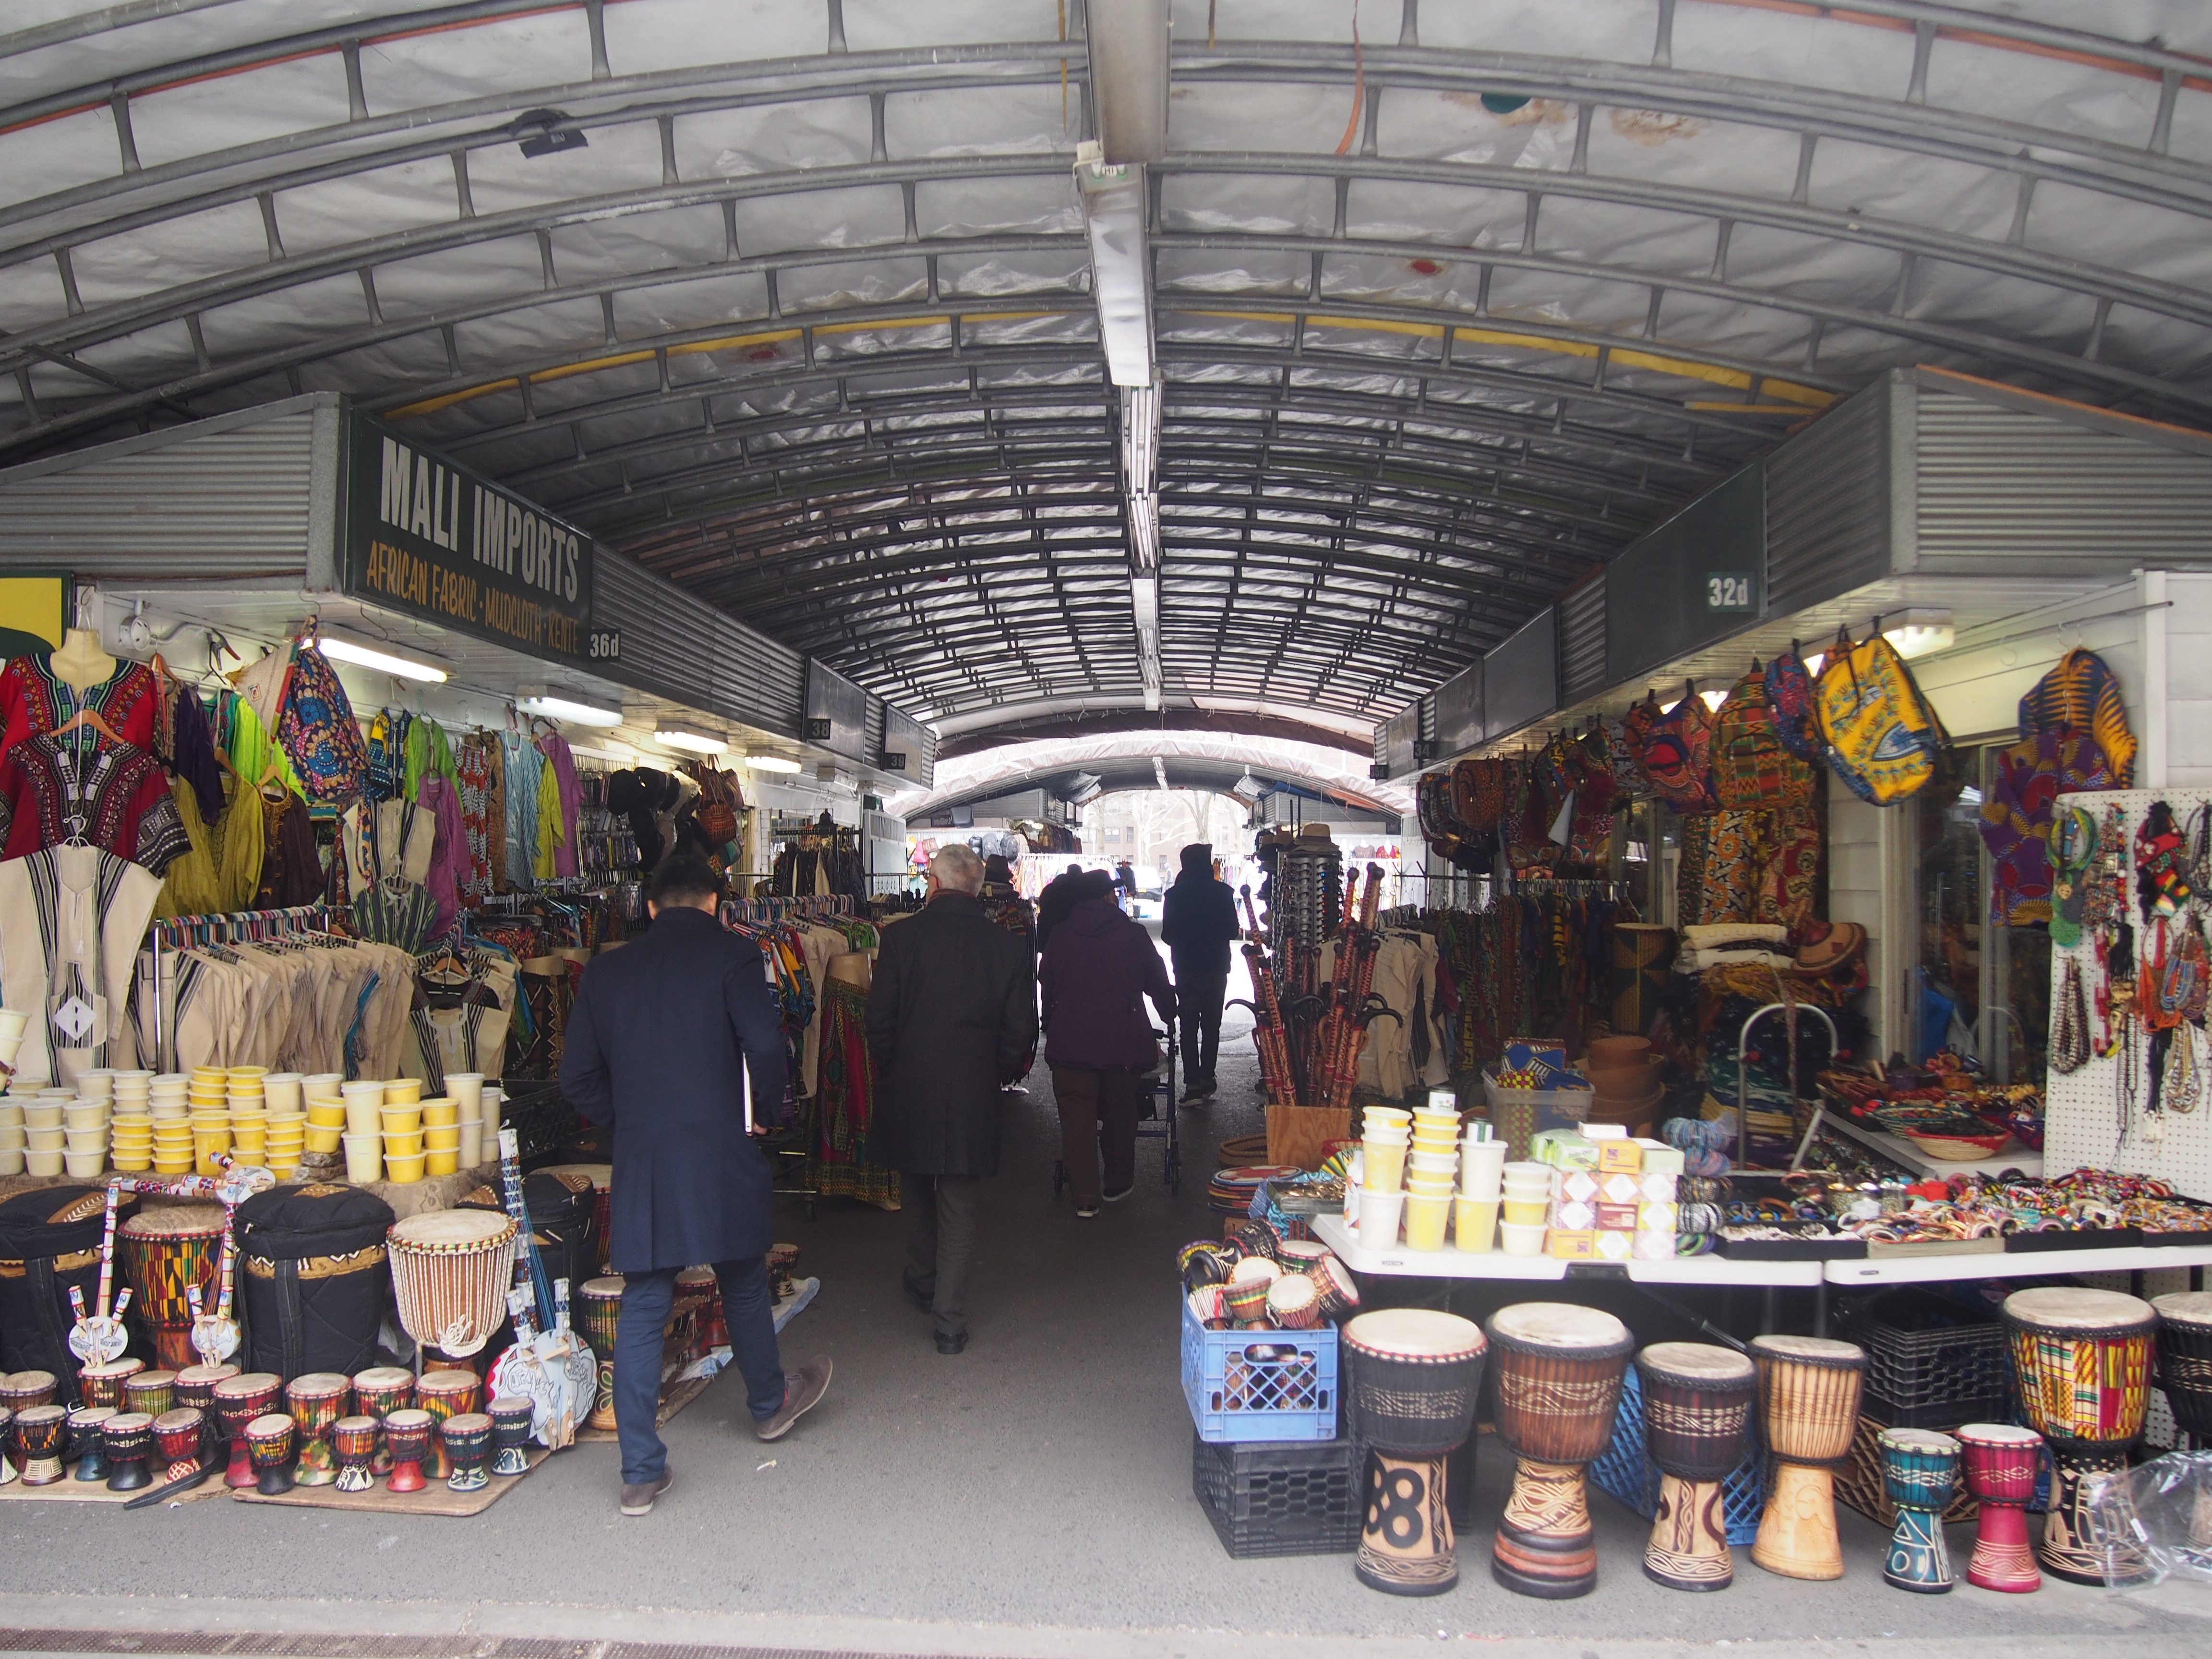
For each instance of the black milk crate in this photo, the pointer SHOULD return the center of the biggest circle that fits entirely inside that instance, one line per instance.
(1931, 1363)
(1280, 1500)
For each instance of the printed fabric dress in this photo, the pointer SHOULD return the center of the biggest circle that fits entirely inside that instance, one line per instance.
(840, 1167)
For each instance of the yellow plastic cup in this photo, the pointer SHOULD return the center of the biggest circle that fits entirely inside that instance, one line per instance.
(1426, 1214)
(1521, 1212)
(442, 1163)
(403, 1171)
(398, 1120)
(402, 1145)
(1384, 1164)
(324, 1141)
(403, 1091)
(364, 1156)
(1475, 1224)
(444, 1138)
(441, 1111)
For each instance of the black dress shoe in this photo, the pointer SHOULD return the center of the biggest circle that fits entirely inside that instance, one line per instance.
(952, 1344)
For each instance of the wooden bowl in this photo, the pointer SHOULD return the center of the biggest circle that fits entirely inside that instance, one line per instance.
(1956, 1148)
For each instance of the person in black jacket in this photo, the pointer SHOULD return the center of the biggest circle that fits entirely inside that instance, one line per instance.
(951, 1021)
(663, 1037)
(1061, 895)
(1197, 922)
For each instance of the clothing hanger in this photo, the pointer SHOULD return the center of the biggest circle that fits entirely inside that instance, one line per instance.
(86, 716)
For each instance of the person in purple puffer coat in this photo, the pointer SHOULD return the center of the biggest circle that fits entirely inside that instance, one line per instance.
(1099, 965)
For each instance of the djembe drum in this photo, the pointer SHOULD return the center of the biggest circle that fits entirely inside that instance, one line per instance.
(196, 1386)
(1808, 1408)
(2082, 1358)
(269, 1444)
(444, 1396)
(1919, 1472)
(1559, 1370)
(102, 1384)
(314, 1402)
(40, 1431)
(2185, 1371)
(165, 1255)
(407, 1436)
(510, 1416)
(128, 1437)
(86, 1430)
(1412, 1376)
(179, 1437)
(1696, 1419)
(2001, 1464)
(353, 1442)
(150, 1392)
(450, 1273)
(467, 1439)
(87, 1424)
(598, 1312)
(238, 1400)
(378, 1392)
(20, 1390)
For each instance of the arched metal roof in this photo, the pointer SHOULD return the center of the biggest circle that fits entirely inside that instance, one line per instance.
(1451, 301)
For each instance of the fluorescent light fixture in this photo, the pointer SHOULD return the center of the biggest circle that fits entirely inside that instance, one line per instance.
(1120, 279)
(365, 656)
(576, 713)
(1144, 534)
(1919, 630)
(692, 740)
(771, 763)
(1145, 603)
(1140, 438)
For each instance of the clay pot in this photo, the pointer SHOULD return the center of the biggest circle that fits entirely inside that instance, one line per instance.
(1606, 1052)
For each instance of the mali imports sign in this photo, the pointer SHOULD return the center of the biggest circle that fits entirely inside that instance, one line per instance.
(436, 540)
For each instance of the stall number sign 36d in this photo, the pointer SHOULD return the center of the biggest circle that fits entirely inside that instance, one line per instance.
(603, 644)
(1728, 591)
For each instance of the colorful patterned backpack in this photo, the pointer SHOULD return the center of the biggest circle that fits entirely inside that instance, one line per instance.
(1753, 770)
(2081, 694)
(1884, 741)
(1789, 694)
(317, 730)
(1678, 755)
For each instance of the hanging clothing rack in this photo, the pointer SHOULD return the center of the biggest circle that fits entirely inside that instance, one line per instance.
(172, 934)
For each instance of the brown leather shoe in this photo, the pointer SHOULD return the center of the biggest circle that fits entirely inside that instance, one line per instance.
(637, 1499)
(802, 1392)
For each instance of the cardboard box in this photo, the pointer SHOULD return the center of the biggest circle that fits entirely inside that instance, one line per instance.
(1654, 1247)
(1615, 1246)
(1658, 1218)
(1622, 1156)
(1620, 1189)
(1617, 1217)
(1655, 1188)
(1659, 1159)
(1570, 1244)
(1569, 1216)
(1580, 1185)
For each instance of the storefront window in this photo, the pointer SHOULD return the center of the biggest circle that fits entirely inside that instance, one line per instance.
(1982, 989)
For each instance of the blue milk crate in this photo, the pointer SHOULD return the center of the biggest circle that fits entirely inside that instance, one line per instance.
(1623, 1470)
(1259, 1385)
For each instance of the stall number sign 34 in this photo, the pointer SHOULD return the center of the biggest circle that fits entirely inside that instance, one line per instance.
(1728, 591)
(603, 644)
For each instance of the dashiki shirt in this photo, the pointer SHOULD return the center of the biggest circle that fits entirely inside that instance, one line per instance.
(32, 702)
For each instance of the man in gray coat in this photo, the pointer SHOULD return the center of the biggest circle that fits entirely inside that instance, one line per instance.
(665, 1033)
(951, 1019)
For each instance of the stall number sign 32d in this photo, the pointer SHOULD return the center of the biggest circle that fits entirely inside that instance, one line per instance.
(1726, 590)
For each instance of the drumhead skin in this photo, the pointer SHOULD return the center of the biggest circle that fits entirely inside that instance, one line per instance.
(2064, 1308)
(1918, 1440)
(1252, 1267)
(1415, 1333)
(598, 1174)
(437, 1385)
(1700, 1362)
(247, 1385)
(1810, 1350)
(609, 1289)
(2185, 1307)
(180, 1221)
(1997, 1434)
(1557, 1325)
(319, 1385)
(451, 1230)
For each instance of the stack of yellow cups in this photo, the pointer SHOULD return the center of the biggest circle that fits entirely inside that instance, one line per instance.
(364, 1130)
(249, 1113)
(402, 1119)
(211, 1117)
(1382, 1137)
(1431, 1174)
(173, 1128)
(131, 1128)
(441, 1135)
(287, 1123)
(325, 1114)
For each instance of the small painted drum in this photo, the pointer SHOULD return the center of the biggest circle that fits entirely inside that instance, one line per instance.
(1302, 1255)
(40, 1433)
(2185, 1361)
(2001, 1464)
(1697, 1400)
(314, 1402)
(598, 1311)
(196, 1385)
(353, 1444)
(129, 1437)
(445, 1395)
(1340, 1292)
(1919, 1471)
(1293, 1303)
(87, 1427)
(1808, 1409)
(467, 1438)
(378, 1392)
(166, 1255)
(696, 1289)
(2082, 1361)
(177, 1440)
(269, 1444)
(407, 1434)
(1559, 1370)
(450, 1271)
(238, 1400)
(150, 1392)
(600, 1178)
(102, 1384)
(20, 1390)
(1412, 1376)
(510, 1416)
(782, 1270)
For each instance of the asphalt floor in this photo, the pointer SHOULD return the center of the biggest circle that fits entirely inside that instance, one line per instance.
(1030, 1496)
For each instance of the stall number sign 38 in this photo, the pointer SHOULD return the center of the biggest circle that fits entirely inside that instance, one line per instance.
(1728, 591)
(603, 644)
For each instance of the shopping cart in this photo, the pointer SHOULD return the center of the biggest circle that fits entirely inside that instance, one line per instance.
(1156, 1117)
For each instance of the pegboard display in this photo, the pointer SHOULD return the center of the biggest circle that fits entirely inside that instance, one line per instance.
(2099, 1115)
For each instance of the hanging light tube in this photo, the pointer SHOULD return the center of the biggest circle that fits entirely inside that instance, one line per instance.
(1121, 281)
(771, 763)
(697, 744)
(576, 713)
(364, 656)
(1140, 438)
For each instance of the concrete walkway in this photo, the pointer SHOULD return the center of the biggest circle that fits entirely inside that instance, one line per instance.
(1030, 1497)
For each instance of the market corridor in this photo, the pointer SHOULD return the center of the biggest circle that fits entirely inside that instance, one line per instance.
(1030, 1497)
